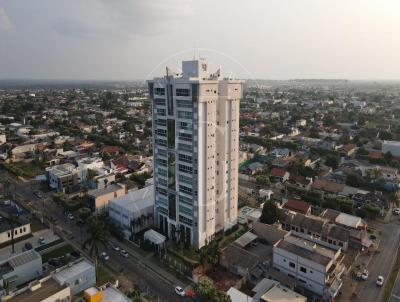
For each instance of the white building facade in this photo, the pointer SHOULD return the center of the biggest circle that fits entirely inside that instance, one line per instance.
(315, 267)
(196, 152)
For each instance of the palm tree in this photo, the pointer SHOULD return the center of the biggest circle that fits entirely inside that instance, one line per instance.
(97, 231)
(13, 221)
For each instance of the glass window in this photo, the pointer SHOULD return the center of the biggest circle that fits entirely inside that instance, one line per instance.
(185, 147)
(172, 206)
(186, 169)
(185, 137)
(170, 100)
(182, 92)
(185, 126)
(185, 179)
(171, 171)
(185, 158)
(185, 210)
(185, 200)
(291, 264)
(160, 102)
(159, 91)
(171, 134)
(185, 114)
(161, 122)
(303, 269)
(161, 132)
(185, 190)
(161, 142)
(184, 103)
(185, 220)
(161, 112)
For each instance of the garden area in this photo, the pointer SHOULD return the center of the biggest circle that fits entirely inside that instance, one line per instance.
(25, 169)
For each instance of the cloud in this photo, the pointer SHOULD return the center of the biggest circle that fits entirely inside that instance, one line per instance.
(125, 17)
(5, 22)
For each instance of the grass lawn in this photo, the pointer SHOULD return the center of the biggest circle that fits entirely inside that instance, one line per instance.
(62, 251)
(392, 278)
(103, 276)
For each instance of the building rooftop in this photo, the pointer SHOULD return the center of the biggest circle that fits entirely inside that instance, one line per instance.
(23, 258)
(306, 249)
(279, 293)
(109, 189)
(136, 200)
(46, 289)
(78, 268)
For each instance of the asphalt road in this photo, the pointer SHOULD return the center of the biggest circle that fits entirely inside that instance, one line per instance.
(147, 280)
(381, 263)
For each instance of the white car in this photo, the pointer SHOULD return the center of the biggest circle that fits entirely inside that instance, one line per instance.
(124, 253)
(104, 256)
(365, 275)
(380, 281)
(179, 291)
(71, 217)
(396, 211)
(42, 240)
(115, 247)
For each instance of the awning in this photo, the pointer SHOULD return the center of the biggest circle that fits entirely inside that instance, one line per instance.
(154, 237)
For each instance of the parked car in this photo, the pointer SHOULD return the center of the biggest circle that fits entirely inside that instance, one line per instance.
(380, 280)
(396, 211)
(179, 291)
(79, 222)
(115, 247)
(365, 275)
(28, 246)
(104, 256)
(42, 240)
(71, 217)
(124, 253)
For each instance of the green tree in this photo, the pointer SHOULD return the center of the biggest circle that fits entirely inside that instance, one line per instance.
(270, 212)
(332, 161)
(262, 180)
(206, 291)
(96, 229)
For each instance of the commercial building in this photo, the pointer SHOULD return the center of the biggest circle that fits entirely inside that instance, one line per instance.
(196, 152)
(133, 211)
(315, 267)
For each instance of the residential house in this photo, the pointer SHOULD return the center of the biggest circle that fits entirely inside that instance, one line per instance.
(280, 175)
(298, 206)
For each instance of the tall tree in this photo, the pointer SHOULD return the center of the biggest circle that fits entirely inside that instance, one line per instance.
(96, 228)
(270, 213)
(13, 221)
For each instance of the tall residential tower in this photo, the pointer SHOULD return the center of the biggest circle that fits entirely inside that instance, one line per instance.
(196, 152)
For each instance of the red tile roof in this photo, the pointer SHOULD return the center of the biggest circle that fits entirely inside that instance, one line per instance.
(278, 172)
(297, 206)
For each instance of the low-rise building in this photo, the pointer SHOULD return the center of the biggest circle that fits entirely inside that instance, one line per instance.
(315, 267)
(101, 197)
(21, 268)
(44, 290)
(63, 177)
(78, 276)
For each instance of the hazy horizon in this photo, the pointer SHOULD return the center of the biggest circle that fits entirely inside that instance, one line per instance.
(133, 40)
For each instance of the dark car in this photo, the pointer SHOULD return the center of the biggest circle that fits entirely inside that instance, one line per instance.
(28, 246)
